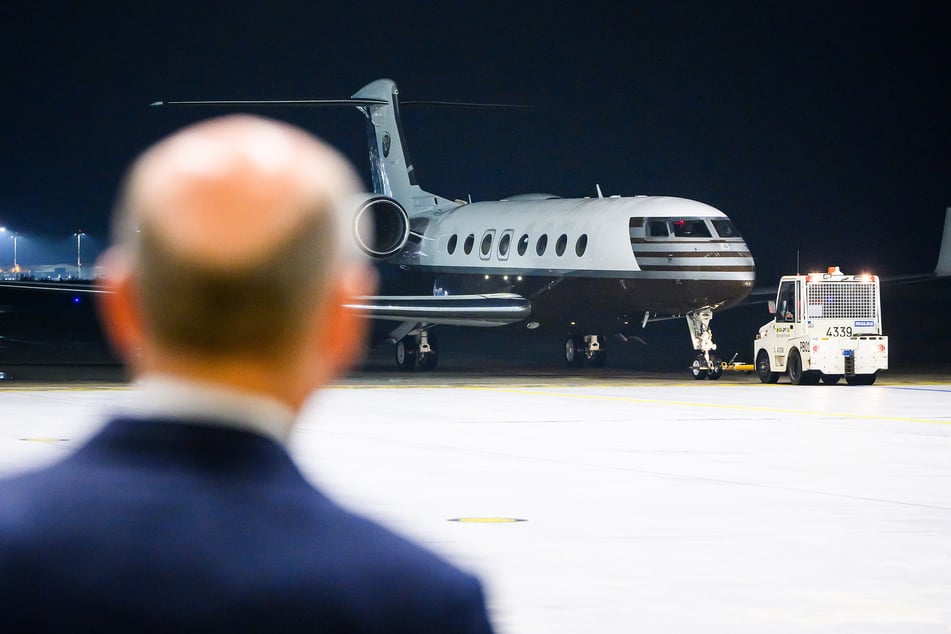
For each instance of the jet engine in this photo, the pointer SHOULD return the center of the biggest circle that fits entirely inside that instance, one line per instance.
(380, 227)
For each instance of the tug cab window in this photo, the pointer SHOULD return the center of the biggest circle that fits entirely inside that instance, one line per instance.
(786, 302)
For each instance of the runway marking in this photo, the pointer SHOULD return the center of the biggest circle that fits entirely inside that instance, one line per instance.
(748, 408)
(45, 439)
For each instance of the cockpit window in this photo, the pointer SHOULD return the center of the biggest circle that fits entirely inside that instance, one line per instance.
(725, 228)
(690, 228)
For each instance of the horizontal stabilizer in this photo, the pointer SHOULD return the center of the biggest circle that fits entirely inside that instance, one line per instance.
(239, 103)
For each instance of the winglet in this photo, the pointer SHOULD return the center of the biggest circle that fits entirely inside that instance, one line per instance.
(943, 268)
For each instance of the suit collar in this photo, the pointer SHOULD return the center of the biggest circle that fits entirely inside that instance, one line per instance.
(195, 444)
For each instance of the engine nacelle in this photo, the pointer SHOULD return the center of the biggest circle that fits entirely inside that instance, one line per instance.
(380, 226)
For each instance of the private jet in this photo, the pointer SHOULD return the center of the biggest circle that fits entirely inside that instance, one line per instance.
(585, 268)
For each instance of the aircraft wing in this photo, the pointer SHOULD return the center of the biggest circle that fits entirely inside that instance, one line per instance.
(485, 311)
(496, 309)
(52, 286)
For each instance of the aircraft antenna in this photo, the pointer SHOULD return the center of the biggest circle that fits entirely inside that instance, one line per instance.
(597, 186)
(797, 261)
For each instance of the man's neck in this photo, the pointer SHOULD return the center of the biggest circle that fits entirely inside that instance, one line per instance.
(173, 397)
(248, 376)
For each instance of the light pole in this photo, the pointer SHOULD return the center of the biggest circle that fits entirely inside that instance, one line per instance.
(79, 253)
(16, 267)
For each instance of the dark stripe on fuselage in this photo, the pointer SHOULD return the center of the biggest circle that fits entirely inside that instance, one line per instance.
(499, 272)
(691, 254)
(684, 241)
(696, 269)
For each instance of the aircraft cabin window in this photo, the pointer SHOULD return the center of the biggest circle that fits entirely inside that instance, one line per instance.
(542, 244)
(523, 244)
(657, 229)
(467, 247)
(504, 242)
(561, 245)
(725, 228)
(486, 243)
(451, 246)
(581, 244)
(690, 228)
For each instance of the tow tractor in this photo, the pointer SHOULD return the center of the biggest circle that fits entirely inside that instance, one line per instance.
(826, 326)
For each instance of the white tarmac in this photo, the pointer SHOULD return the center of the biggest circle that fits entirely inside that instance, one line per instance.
(648, 505)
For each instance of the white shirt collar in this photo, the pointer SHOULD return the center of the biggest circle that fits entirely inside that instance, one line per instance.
(174, 398)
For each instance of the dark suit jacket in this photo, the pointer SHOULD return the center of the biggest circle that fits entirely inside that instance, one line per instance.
(164, 526)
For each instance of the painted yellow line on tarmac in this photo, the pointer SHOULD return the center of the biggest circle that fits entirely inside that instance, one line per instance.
(748, 408)
(45, 439)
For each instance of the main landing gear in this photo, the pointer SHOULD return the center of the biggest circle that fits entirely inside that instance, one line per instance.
(706, 365)
(587, 349)
(419, 351)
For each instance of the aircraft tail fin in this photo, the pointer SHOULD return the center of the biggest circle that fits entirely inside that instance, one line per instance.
(390, 165)
(943, 267)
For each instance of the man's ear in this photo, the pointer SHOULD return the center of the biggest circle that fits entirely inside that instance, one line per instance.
(118, 306)
(340, 332)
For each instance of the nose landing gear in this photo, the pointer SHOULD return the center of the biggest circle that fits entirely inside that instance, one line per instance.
(706, 365)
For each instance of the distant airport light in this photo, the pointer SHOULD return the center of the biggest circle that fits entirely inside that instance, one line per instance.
(79, 253)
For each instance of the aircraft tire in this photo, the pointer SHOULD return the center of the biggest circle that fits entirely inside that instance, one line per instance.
(574, 352)
(699, 367)
(716, 371)
(405, 356)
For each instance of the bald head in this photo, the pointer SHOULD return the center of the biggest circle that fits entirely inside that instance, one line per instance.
(231, 230)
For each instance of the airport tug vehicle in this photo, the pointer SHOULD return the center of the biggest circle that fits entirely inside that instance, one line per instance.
(826, 326)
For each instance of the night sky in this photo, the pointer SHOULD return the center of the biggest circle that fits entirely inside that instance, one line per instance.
(818, 127)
